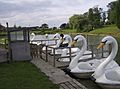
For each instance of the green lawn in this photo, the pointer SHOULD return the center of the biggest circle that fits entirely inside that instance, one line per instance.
(23, 75)
(112, 29)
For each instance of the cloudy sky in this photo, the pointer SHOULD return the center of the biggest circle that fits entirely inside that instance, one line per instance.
(36, 12)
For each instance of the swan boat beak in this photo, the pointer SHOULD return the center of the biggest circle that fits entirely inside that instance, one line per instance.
(73, 43)
(100, 45)
(62, 40)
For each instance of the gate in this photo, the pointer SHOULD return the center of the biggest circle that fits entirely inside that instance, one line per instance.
(18, 43)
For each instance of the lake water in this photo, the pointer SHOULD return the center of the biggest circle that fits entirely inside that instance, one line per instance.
(39, 38)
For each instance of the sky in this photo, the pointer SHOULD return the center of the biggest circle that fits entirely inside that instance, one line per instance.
(36, 12)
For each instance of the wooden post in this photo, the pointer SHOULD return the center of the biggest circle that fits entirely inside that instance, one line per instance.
(87, 41)
(92, 51)
(91, 46)
(54, 57)
(5, 41)
(9, 48)
(102, 52)
(40, 51)
(70, 53)
(46, 53)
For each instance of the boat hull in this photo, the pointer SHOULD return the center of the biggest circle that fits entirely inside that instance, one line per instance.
(85, 75)
(109, 86)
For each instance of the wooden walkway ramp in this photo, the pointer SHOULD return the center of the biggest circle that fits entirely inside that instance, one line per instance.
(57, 76)
(71, 85)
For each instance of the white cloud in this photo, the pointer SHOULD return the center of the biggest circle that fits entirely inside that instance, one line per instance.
(36, 12)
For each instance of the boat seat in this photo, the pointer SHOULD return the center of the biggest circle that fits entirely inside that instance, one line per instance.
(85, 66)
(113, 75)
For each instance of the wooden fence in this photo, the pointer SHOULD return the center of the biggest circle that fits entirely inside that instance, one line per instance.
(37, 52)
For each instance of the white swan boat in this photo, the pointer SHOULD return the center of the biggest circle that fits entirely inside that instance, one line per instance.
(108, 79)
(32, 36)
(64, 40)
(85, 69)
(75, 51)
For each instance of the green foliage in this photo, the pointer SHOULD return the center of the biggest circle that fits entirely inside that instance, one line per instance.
(78, 22)
(112, 12)
(23, 75)
(3, 33)
(94, 17)
(90, 15)
(111, 29)
(88, 28)
(118, 14)
(44, 26)
(87, 21)
(64, 26)
(82, 24)
(74, 20)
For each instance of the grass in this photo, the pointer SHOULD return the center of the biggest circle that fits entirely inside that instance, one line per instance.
(112, 29)
(23, 75)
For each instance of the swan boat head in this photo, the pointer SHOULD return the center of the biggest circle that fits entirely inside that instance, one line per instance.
(108, 40)
(106, 78)
(77, 38)
(80, 69)
(63, 39)
(57, 35)
(74, 50)
(32, 36)
(75, 60)
(68, 39)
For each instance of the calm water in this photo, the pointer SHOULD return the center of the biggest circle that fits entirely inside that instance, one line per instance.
(88, 83)
(43, 37)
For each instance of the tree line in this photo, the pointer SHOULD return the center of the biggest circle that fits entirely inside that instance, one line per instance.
(96, 18)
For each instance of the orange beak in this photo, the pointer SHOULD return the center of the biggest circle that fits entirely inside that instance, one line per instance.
(62, 40)
(73, 43)
(100, 45)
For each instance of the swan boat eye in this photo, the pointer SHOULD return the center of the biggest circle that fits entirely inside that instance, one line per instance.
(76, 39)
(104, 42)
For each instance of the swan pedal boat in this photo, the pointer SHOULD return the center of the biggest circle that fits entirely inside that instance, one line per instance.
(64, 40)
(108, 79)
(75, 51)
(86, 69)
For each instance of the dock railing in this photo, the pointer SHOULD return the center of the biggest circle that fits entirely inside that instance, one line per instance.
(45, 55)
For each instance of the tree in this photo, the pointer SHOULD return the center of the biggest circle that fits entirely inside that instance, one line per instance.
(54, 28)
(94, 16)
(112, 12)
(91, 16)
(44, 26)
(83, 22)
(74, 20)
(118, 14)
(97, 17)
(2, 28)
(64, 26)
